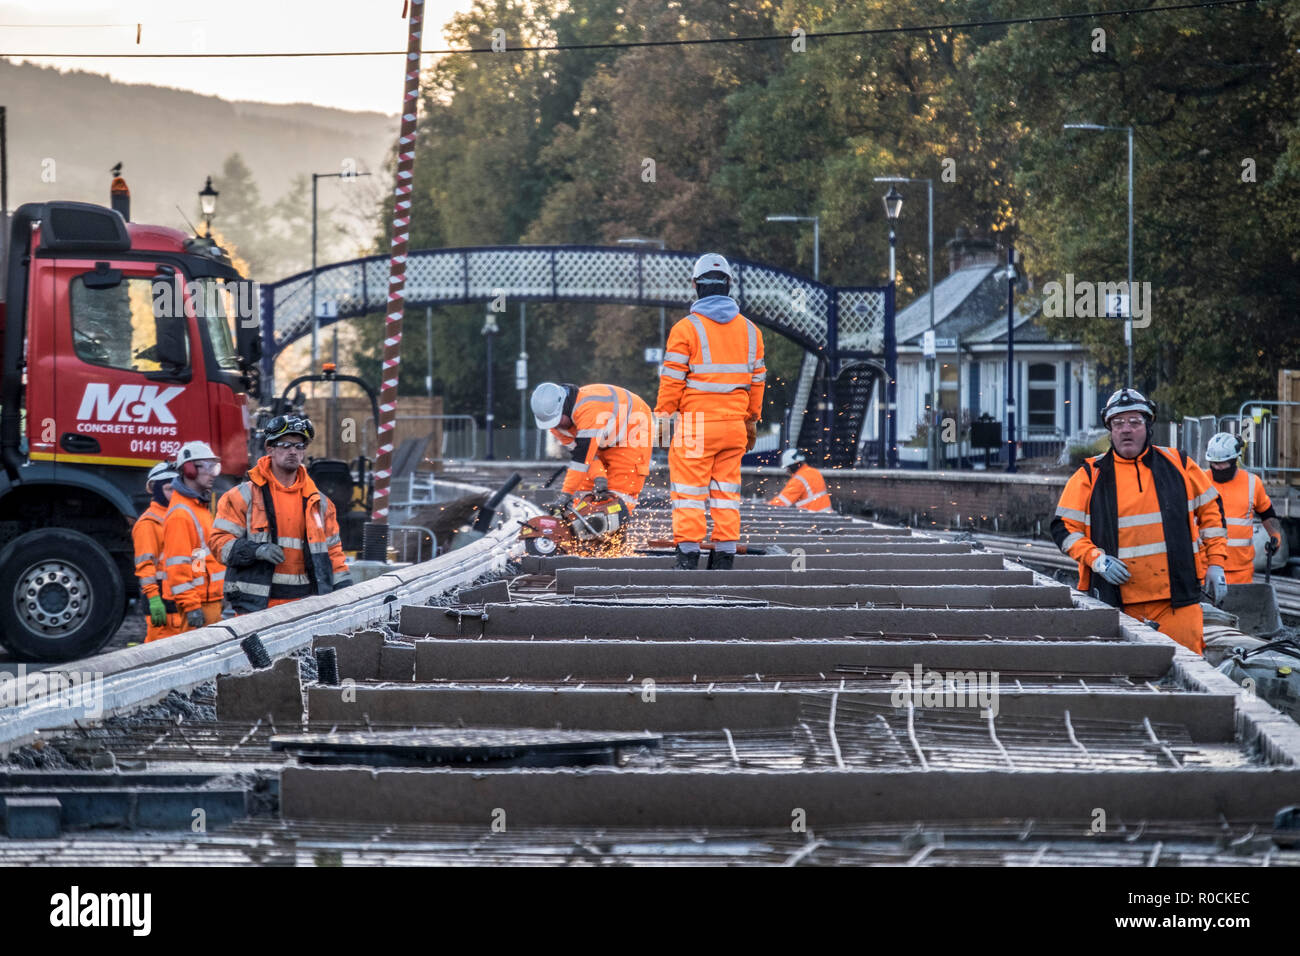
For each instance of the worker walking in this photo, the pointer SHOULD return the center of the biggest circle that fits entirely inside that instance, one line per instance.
(711, 388)
(147, 536)
(194, 576)
(806, 488)
(277, 534)
(608, 433)
(1134, 517)
(1244, 499)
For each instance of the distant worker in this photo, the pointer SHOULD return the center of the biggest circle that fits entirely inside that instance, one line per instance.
(277, 534)
(147, 536)
(608, 433)
(194, 576)
(711, 385)
(1133, 519)
(1244, 499)
(806, 488)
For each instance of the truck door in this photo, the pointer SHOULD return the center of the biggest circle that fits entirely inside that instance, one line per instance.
(115, 402)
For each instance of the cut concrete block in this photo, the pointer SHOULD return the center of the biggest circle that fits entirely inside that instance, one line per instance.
(1026, 596)
(33, 818)
(786, 562)
(358, 653)
(397, 662)
(495, 592)
(566, 579)
(276, 692)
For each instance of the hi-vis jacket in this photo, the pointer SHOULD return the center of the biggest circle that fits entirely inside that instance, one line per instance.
(1243, 497)
(147, 536)
(806, 490)
(605, 416)
(255, 512)
(1149, 512)
(713, 366)
(194, 575)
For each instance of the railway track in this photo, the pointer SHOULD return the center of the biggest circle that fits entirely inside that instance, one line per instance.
(849, 693)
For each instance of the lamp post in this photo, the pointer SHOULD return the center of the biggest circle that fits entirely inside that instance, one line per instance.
(489, 330)
(521, 380)
(932, 432)
(208, 203)
(893, 201)
(636, 241)
(1128, 309)
(315, 311)
(1011, 276)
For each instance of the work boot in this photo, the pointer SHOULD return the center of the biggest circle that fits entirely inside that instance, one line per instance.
(721, 560)
(687, 560)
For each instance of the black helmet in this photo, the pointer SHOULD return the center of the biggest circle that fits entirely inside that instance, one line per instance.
(283, 425)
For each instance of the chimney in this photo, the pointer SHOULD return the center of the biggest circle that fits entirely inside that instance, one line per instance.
(965, 250)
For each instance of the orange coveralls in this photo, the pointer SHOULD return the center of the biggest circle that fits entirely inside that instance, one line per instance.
(194, 576)
(806, 490)
(147, 536)
(612, 436)
(713, 376)
(1243, 498)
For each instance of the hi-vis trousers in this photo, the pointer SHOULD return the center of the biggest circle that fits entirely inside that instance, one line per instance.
(704, 471)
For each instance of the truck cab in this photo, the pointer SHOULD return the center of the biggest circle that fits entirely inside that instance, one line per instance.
(117, 349)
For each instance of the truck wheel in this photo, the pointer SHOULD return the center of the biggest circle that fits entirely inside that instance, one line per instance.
(61, 596)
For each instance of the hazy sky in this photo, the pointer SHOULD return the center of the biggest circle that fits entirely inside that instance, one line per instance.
(245, 26)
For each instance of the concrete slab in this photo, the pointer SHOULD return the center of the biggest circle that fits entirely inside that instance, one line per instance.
(646, 798)
(566, 579)
(32, 818)
(767, 623)
(358, 653)
(369, 570)
(1023, 596)
(786, 562)
(488, 660)
(396, 662)
(1208, 717)
(276, 692)
(495, 592)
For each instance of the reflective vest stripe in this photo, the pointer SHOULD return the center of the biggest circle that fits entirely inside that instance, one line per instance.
(1142, 550)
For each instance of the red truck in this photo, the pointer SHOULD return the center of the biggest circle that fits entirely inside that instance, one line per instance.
(116, 346)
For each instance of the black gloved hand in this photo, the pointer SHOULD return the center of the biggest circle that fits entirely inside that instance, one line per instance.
(600, 485)
(559, 502)
(195, 618)
(270, 552)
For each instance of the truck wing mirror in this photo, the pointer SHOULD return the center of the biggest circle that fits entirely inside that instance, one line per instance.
(102, 277)
(248, 325)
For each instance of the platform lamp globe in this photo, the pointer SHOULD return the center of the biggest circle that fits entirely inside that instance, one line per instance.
(208, 204)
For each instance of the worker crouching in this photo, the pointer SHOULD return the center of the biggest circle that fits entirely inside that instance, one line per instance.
(806, 488)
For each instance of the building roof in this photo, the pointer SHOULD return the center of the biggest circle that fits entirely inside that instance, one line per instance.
(969, 307)
(950, 293)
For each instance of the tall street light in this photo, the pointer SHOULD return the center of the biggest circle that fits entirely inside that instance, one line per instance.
(636, 241)
(933, 431)
(208, 204)
(817, 277)
(1128, 309)
(490, 329)
(315, 312)
(893, 201)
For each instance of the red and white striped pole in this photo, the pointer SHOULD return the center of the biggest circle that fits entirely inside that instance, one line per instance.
(375, 540)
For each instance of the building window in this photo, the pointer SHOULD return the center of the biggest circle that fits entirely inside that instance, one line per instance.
(1042, 395)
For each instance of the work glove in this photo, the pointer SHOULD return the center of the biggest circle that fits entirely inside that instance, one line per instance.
(1271, 548)
(270, 552)
(663, 430)
(1112, 569)
(195, 618)
(601, 485)
(559, 502)
(1216, 584)
(157, 611)
(751, 435)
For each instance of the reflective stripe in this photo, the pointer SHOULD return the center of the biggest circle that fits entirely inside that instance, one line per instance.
(225, 552)
(1204, 498)
(182, 588)
(1250, 491)
(217, 576)
(676, 373)
(726, 486)
(246, 492)
(1070, 541)
(687, 503)
(609, 397)
(1071, 513)
(688, 489)
(284, 542)
(227, 525)
(785, 499)
(198, 528)
(676, 357)
(290, 579)
(752, 331)
(333, 540)
(725, 504)
(247, 587)
(1142, 550)
(715, 386)
(804, 481)
(1216, 533)
(734, 368)
(759, 378)
(1134, 521)
(815, 498)
(144, 557)
(578, 466)
(702, 336)
(589, 432)
(318, 547)
(180, 560)
(1241, 522)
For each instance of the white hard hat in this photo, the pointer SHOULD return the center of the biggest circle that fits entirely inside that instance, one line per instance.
(1127, 400)
(1224, 446)
(196, 451)
(548, 404)
(791, 456)
(163, 471)
(712, 262)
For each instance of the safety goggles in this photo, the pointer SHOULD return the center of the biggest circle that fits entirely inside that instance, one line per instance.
(290, 445)
(1127, 422)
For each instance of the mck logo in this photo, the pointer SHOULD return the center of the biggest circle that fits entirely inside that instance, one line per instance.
(128, 403)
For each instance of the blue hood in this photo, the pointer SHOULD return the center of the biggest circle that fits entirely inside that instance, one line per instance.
(719, 308)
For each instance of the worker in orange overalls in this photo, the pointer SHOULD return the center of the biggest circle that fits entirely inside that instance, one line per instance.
(711, 389)
(806, 488)
(1244, 499)
(277, 534)
(608, 431)
(147, 536)
(1134, 517)
(194, 576)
